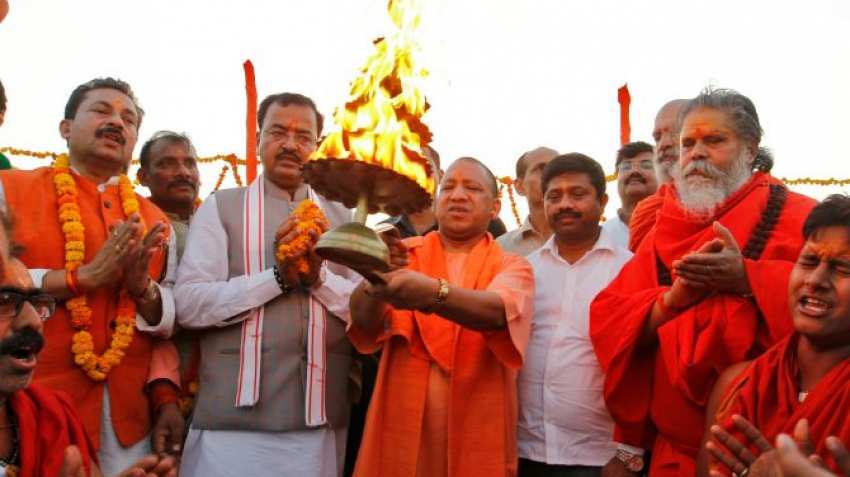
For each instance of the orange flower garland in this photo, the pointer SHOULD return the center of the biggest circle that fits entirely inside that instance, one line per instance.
(509, 183)
(70, 218)
(308, 215)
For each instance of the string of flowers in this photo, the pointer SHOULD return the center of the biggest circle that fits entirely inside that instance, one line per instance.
(220, 179)
(308, 216)
(509, 184)
(234, 160)
(230, 158)
(97, 367)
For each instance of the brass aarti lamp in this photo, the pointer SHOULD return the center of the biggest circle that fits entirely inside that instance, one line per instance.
(373, 161)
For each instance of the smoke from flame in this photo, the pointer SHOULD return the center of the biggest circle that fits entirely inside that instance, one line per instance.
(381, 122)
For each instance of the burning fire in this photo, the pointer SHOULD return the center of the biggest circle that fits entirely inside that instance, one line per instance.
(381, 122)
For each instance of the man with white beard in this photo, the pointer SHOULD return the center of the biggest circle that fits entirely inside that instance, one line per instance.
(699, 294)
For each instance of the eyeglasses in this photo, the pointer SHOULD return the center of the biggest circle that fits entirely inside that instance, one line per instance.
(12, 302)
(627, 166)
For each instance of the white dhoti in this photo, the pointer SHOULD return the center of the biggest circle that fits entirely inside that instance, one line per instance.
(312, 453)
(115, 458)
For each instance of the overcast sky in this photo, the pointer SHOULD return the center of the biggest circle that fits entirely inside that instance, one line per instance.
(506, 76)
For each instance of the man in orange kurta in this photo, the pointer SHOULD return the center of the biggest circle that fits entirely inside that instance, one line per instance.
(666, 139)
(807, 375)
(691, 302)
(452, 326)
(100, 127)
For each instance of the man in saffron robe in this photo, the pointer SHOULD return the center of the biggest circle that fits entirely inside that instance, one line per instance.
(452, 327)
(40, 434)
(666, 136)
(120, 260)
(691, 302)
(807, 375)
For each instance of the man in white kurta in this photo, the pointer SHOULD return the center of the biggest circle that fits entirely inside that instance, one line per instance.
(275, 360)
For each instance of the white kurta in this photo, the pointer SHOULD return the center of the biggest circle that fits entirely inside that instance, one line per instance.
(313, 453)
(207, 298)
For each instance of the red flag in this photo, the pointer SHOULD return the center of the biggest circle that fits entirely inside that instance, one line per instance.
(625, 99)
(250, 120)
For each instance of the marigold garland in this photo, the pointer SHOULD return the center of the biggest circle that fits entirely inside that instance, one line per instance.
(308, 216)
(509, 183)
(70, 218)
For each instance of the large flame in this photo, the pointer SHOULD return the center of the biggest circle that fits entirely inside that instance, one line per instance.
(381, 122)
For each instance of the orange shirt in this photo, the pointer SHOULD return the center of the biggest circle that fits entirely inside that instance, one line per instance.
(445, 399)
(31, 199)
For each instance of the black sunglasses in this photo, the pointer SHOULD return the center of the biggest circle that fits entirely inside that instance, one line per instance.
(12, 302)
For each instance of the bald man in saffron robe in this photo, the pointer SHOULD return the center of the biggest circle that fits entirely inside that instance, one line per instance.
(692, 301)
(666, 139)
(452, 326)
(806, 377)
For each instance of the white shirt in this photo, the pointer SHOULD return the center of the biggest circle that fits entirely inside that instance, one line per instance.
(206, 298)
(618, 230)
(562, 418)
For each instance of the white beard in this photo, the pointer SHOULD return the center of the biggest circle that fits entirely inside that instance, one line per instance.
(700, 196)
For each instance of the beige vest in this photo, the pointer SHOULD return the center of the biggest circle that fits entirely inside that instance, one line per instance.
(284, 360)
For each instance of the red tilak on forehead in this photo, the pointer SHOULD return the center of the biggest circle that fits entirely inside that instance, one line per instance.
(830, 249)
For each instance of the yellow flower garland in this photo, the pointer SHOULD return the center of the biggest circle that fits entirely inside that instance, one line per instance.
(70, 218)
(308, 214)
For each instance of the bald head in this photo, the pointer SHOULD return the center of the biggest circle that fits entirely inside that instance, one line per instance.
(491, 182)
(530, 157)
(666, 138)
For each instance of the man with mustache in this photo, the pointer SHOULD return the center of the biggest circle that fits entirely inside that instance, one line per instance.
(535, 230)
(666, 136)
(692, 302)
(40, 433)
(452, 322)
(635, 181)
(564, 428)
(169, 169)
(273, 394)
(97, 246)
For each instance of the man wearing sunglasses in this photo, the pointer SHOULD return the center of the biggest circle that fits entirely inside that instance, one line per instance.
(635, 181)
(40, 433)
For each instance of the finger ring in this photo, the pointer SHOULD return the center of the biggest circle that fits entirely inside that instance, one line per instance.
(117, 249)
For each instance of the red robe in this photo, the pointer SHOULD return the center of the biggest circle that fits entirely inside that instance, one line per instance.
(644, 215)
(657, 397)
(47, 424)
(766, 394)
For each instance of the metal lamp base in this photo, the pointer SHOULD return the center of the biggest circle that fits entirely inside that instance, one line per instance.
(357, 247)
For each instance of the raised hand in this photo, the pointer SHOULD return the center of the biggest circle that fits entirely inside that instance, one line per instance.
(107, 267)
(141, 250)
(730, 452)
(717, 266)
(398, 250)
